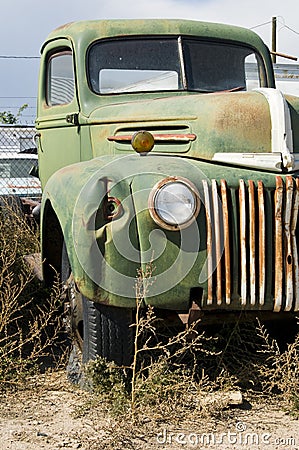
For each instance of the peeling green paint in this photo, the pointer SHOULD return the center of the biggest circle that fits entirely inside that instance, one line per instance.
(82, 169)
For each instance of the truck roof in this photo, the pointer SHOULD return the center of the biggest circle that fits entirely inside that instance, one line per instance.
(85, 32)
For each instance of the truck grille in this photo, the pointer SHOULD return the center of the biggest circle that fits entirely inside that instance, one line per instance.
(252, 257)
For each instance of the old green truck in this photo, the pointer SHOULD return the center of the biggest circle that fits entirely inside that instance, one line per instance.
(157, 152)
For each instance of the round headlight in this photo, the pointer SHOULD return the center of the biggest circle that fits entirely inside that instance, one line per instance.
(174, 203)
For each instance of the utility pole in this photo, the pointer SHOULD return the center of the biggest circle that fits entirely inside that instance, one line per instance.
(274, 28)
(273, 51)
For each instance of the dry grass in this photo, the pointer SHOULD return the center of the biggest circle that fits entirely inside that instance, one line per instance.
(171, 376)
(29, 324)
(184, 376)
(280, 371)
(176, 386)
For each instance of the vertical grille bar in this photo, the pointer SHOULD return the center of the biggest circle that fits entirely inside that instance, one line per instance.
(262, 243)
(278, 201)
(217, 221)
(209, 242)
(294, 244)
(226, 242)
(252, 241)
(243, 262)
(249, 216)
(288, 243)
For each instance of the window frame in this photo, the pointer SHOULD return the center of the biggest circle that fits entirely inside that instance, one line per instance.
(56, 54)
(182, 60)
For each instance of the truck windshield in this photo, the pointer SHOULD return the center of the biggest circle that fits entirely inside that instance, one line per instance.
(169, 64)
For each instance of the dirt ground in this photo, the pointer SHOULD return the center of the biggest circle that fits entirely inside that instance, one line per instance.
(54, 415)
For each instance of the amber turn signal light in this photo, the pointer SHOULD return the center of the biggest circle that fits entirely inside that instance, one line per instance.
(142, 142)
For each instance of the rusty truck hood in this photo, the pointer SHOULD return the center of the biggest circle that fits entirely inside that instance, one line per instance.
(250, 129)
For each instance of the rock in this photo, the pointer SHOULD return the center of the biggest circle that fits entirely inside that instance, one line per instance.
(40, 433)
(224, 398)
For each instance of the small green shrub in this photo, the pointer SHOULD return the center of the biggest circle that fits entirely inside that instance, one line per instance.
(111, 383)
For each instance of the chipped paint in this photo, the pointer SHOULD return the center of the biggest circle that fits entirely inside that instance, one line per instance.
(230, 145)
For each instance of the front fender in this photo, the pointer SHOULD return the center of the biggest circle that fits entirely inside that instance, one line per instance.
(79, 195)
(106, 252)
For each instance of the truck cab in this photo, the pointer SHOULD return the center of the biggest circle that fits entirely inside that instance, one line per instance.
(159, 154)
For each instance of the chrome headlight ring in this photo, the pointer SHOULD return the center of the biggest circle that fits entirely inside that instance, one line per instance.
(174, 203)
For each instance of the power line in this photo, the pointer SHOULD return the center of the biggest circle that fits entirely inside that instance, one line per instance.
(18, 57)
(289, 28)
(260, 25)
(16, 106)
(19, 97)
(270, 21)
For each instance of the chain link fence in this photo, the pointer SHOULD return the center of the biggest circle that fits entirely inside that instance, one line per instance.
(18, 157)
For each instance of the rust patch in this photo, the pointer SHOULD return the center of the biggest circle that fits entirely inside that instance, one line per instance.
(157, 137)
(244, 121)
(63, 27)
(209, 242)
(288, 242)
(262, 242)
(226, 242)
(278, 201)
(242, 201)
(294, 244)
(217, 221)
(252, 233)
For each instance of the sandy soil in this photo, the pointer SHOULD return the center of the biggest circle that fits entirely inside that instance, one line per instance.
(54, 415)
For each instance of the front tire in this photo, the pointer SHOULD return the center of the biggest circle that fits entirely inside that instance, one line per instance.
(95, 329)
(108, 332)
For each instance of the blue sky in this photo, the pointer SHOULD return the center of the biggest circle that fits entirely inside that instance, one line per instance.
(25, 24)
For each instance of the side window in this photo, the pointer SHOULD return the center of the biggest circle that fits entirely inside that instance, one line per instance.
(60, 80)
(253, 72)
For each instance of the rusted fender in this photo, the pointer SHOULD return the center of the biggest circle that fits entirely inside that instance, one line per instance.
(78, 195)
(102, 207)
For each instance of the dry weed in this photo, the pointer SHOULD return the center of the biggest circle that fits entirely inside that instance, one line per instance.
(29, 323)
(280, 371)
(166, 380)
(178, 378)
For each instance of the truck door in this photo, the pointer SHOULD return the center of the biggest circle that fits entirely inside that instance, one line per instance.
(58, 133)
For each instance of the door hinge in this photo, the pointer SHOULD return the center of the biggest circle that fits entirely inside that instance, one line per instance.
(73, 118)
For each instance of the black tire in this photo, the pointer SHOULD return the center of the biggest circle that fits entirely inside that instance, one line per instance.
(108, 332)
(94, 329)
